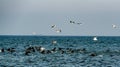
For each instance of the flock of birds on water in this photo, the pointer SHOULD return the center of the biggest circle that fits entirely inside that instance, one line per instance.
(39, 49)
(32, 49)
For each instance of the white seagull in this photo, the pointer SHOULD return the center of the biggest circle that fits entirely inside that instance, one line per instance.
(114, 26)
(54, 42)
(58, 31)
(95, 39)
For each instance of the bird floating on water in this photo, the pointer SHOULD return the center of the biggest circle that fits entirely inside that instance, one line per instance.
(42, 49)
(54, 42)
(0, 50)
(95, 39)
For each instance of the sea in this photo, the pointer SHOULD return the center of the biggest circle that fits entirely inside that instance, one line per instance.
(71, 51)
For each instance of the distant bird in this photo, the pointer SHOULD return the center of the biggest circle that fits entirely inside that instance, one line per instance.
(11, 50)
(100, 56)
(1, 50)
(70, 21)
(78, 23)
(54, 42)
(53, 26)
(114, 26)
(42, 49)
(58, 31)
(95, 39)
(73, 22)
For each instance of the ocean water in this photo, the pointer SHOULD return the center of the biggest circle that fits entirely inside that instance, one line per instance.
(77, 51)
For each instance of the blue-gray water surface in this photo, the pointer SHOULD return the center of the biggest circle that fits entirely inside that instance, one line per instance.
(105, 52)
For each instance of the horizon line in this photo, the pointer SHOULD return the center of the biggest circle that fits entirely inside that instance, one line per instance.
(58, 35)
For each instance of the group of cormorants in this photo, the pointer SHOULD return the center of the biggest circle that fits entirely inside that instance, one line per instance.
(42, 50)
(11, 50)
(32, 49)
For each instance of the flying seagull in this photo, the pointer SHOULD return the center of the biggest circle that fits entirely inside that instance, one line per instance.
(114, 26)
(53, 26)
(73, 22)
(58, 31)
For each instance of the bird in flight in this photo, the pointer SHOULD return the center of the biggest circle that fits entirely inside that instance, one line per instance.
(54, 27)
(73, 22)
(58, 30)
(114, 26)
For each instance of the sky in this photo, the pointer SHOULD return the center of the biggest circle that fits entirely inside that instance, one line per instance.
(27, 17)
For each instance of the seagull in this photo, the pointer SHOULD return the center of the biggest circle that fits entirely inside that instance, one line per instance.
(114, 26)
(95, 39)
(53, 26)
(54, 42)
(58, 30)
(42, 49)
(72, 22)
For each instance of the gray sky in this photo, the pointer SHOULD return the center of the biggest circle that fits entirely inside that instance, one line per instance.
(22, 17)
